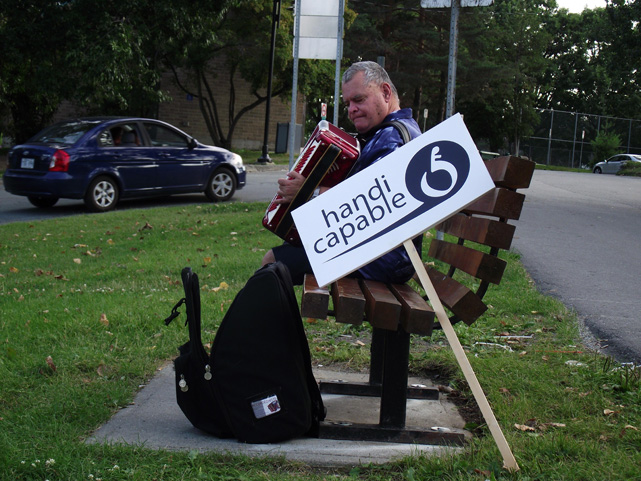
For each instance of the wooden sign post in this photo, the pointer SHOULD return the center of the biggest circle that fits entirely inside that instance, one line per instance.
(509, 462)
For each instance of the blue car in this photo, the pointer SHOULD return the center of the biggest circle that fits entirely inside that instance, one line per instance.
(103, 160)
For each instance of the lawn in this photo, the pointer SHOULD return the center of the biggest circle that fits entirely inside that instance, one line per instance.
(83, 301)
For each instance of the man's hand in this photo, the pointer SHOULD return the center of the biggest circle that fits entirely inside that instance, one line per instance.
(289, 187)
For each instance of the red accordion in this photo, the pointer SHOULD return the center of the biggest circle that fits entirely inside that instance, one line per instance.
(326, 159)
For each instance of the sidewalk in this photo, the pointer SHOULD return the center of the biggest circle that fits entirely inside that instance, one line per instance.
(155, 421)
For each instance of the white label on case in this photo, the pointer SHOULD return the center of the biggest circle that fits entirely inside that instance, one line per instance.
(266, 407)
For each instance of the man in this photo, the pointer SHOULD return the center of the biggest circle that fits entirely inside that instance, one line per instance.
(371, 99)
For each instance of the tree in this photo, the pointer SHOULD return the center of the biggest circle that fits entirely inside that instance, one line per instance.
(54, 51)
(208, 53)
(604, 146)
(31, 85)
(520, 38)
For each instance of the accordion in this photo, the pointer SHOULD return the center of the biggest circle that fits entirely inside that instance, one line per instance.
(326, 159)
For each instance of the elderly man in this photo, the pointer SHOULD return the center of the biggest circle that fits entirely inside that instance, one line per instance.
(372, 101)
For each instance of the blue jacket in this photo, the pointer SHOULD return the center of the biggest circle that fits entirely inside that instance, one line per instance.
(394, 267)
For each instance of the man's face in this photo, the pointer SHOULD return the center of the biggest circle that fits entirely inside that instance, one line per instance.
(367, 105)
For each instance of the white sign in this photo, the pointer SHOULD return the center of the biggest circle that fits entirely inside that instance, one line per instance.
(318, 37)
(402, 195)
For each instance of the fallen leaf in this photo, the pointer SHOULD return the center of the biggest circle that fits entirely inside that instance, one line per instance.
(552, 425)
(610, 412)
(14, 270)
(51, 363)
(110, 242)
(523, 427)
(78, 261)
(103, 319)
(629, 426)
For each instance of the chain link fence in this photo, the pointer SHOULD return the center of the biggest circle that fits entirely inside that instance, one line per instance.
(564, 138)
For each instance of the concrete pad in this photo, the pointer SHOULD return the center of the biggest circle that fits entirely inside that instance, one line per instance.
(155, 421)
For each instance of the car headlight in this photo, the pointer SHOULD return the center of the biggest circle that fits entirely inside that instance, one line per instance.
(236, 160)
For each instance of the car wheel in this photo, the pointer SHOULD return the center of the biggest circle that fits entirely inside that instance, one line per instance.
(221, 186)
(44, 202)
(102, 194)
(597, 170)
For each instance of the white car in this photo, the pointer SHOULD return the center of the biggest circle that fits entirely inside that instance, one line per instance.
(614, 163)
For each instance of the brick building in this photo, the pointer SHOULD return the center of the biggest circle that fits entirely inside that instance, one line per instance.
(184, 112)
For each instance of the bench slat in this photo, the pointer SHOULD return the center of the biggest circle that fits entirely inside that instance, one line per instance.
(417, 317)
(463, 302)
(476, 263)
(483, 230)
(315, 300)
(349, 302)
(382, 309)
(499, 202)
(511, 172)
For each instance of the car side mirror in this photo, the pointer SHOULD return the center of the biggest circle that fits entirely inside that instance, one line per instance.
(192, 143)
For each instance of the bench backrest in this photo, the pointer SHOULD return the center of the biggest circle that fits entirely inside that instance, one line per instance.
(484, 223)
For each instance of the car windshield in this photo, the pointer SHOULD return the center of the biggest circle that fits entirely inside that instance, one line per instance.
(66, 133)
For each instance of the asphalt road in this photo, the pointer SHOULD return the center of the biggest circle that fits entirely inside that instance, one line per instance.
(261, 187)
(578, 237)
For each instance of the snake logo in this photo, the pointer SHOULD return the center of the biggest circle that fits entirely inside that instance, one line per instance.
(436, 173)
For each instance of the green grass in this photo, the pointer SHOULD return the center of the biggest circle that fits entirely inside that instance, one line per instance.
(251, 156)
(83, 299)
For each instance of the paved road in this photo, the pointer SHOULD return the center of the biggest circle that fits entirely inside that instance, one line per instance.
(261, 186)
(579, 239)
(578, 236)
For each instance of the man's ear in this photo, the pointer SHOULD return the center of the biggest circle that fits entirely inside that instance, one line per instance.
(387, 91)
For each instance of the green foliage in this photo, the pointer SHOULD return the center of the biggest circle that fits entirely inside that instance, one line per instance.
(605, 145)
(632, 169)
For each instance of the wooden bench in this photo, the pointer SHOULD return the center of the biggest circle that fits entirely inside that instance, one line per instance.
(396, 311)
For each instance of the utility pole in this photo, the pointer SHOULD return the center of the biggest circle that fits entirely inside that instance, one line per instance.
(264, 158)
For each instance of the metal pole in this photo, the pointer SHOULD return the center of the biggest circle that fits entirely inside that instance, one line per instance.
(292, 120)
(581, 154)
(451, 71)
(576, 121)
(339, 56)
(550, 136)
(264, 158)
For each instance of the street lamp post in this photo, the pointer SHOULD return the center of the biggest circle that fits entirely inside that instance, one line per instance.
(264, 158)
